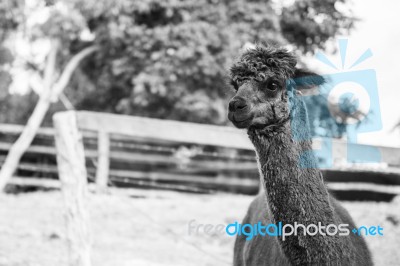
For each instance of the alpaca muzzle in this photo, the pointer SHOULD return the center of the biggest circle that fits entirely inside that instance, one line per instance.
(239, 112)
(237, 104)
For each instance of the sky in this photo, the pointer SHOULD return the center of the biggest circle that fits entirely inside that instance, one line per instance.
(379, 31)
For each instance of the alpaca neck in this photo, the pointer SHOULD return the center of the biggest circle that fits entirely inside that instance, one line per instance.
(295, 190)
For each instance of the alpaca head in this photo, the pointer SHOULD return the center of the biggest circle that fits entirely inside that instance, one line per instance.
(265, 78)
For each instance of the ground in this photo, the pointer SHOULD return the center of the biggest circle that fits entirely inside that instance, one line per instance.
(147, 227)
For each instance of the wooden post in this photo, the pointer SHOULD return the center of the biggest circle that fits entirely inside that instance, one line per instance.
(103, 161)
(73, 177)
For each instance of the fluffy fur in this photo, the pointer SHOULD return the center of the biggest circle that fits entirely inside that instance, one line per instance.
(293, 186)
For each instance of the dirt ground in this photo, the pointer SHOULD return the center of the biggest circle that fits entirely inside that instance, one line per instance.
(147, 227)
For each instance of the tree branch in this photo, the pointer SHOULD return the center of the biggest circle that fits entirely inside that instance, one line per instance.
(49, 70)
(66, 102)
(69, 70)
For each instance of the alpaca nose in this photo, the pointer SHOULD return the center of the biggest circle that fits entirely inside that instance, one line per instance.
(237, 104)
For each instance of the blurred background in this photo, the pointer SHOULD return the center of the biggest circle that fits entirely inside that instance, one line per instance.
(169, 60)
(158, 59)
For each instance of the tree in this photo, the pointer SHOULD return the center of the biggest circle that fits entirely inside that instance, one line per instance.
(50, 87)
(169, 59)
(165, 59)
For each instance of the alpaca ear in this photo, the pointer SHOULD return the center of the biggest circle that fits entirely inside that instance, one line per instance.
(304, 79)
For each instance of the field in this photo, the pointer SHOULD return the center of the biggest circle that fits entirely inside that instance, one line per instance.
(148, 227)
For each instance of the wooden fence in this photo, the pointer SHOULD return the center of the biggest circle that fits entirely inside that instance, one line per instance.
(120, 150)
(135, 151)
(72, 165)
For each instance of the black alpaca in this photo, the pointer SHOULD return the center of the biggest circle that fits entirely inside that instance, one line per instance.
(267, 104)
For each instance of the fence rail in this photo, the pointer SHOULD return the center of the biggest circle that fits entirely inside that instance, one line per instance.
(135, 151)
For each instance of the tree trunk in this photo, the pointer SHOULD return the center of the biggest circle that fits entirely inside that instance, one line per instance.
(23, 142)
(50, 94)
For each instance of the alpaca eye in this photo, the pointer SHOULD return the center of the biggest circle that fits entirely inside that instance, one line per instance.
(273, 86)
(234, 84)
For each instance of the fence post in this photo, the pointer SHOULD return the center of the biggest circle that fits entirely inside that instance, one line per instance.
(103, 161)
(73, 177)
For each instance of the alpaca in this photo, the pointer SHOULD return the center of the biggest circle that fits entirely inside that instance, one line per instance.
(268, 104)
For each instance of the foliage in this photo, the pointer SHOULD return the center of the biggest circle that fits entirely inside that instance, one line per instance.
(169, 59)
(310, 24)
(11, 16)
(17, 108)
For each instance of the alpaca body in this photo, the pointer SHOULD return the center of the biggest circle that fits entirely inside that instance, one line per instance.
(294, 191)
(266, 250)
(268, 105)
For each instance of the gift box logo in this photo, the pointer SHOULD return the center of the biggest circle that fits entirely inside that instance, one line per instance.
(352, 100)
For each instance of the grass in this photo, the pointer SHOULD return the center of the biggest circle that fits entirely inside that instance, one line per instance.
(147, 227)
